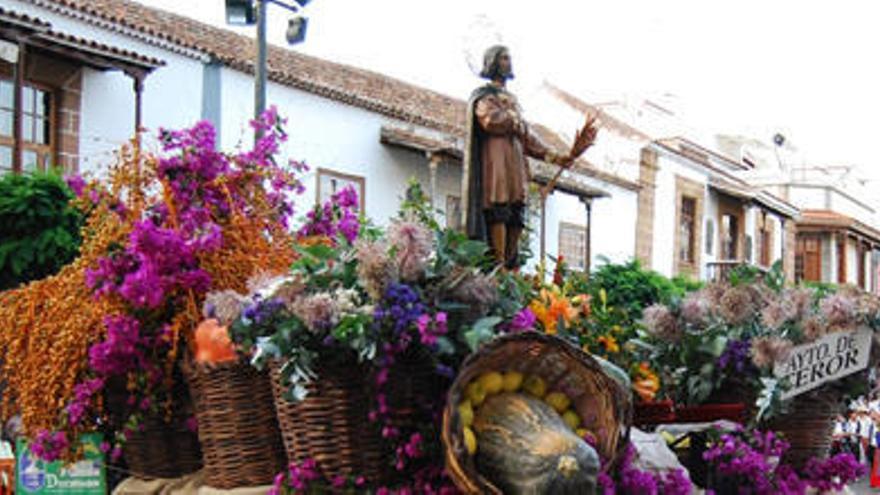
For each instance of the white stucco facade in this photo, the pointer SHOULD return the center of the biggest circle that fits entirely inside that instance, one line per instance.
(672, 167)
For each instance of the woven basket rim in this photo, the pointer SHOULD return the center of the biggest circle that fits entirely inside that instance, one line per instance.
(472, 482)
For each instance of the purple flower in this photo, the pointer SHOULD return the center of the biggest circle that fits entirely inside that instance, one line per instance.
(525, 319)
(736, 356)
(50, 446)
(834, 473)
(431, 328)
(336, 219)
(347, 198)
(401, 307)
(76, 184)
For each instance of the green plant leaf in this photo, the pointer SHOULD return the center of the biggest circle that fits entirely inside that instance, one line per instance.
(483, 330)
(714, 346)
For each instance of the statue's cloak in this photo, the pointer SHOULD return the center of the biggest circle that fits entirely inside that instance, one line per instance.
(472, 179)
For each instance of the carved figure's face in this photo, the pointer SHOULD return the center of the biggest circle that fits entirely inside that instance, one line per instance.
(505, 65)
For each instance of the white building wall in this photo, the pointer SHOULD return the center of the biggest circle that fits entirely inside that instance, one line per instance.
(808, 198)
(852, 263)
(612, 234)
(751, 242)
(664, 212)
(778, 237)
(710, 214)
(331, 135)
(829, 260)
(847, 206)
(664, 218)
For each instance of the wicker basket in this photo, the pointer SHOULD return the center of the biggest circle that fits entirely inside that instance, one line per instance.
(413, 383)
(162, 450)
(241, 443)
(598, 399)
(331, 425)
(162, 447)
(807, 427)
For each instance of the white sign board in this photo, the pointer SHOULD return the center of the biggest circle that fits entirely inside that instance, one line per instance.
(830, 358)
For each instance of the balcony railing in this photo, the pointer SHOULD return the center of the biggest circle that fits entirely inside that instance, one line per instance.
(719, 271)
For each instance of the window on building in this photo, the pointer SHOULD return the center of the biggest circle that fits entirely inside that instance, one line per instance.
(331, 182)
(453, 212)
(36, 127)
(687, 230)
(573, 245)
(808, 259)
(729, 237)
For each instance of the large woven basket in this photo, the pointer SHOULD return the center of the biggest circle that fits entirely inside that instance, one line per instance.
(241, 442)
(162, 447)
(413, 384)
(331, 425)
(162, 450)
(807, 427)
(601, 403)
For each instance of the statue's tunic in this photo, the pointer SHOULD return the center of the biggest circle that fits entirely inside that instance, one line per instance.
(502, 141)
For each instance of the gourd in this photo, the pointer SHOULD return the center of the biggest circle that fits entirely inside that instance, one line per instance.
(212, 343)
(524, 447)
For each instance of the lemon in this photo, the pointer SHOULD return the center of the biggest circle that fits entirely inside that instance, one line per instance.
(470, 440)
(466, 413)
(512, 380)
(475, 393)
(571, 419)
(492, 382)
(558, 401)
(535, 386)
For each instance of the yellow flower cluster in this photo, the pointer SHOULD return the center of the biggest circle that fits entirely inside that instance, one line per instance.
(552, 307)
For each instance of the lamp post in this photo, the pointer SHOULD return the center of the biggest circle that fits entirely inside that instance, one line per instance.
(249, 12)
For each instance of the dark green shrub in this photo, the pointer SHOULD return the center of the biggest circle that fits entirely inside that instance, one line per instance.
(39, 230)
(632, 288)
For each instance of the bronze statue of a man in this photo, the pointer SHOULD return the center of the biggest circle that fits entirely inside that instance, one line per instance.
(496, 170)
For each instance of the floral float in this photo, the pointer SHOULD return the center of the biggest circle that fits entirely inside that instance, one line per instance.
(160, 233)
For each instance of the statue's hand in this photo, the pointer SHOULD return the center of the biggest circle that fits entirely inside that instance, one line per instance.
(565, 161)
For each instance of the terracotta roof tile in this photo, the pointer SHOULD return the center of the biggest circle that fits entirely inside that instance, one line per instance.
(818, 220)
(340, 82)
(44, 31)
(102, 49)
(19, 18)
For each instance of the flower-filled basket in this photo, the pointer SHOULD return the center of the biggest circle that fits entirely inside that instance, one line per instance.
(331, 424)
(531, 412)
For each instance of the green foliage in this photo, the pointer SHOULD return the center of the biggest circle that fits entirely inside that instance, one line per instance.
(630, 288)
(39, 230)
(418, 204)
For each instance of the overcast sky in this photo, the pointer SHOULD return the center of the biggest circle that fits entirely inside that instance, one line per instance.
(808, 69)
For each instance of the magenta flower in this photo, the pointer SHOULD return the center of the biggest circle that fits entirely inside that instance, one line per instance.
(524, 320)
(76, 184)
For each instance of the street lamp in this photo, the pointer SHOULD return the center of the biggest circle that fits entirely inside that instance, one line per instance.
(250, 12)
